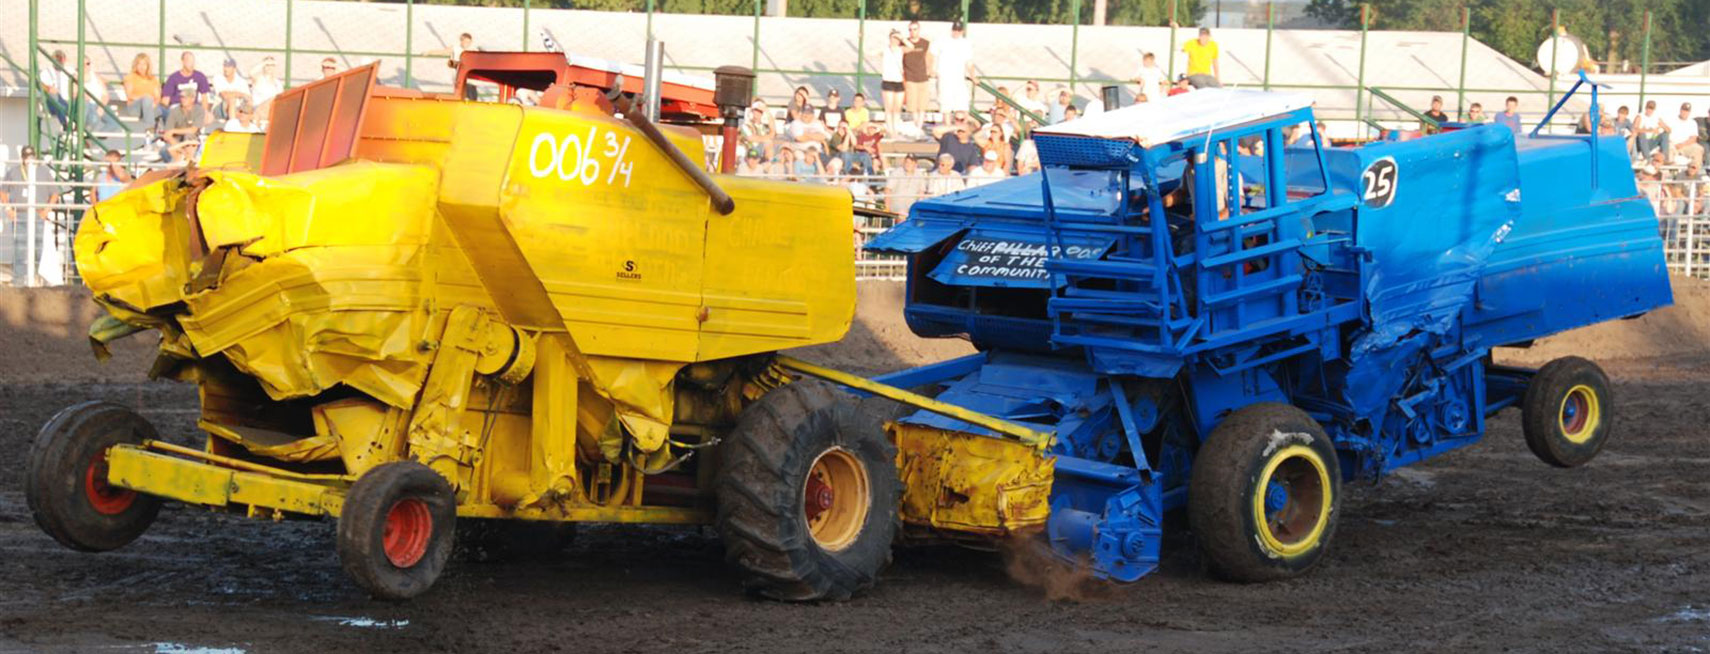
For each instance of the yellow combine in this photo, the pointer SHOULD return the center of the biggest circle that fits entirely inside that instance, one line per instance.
(408, 312)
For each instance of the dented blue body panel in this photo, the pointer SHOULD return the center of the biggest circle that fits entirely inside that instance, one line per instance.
(1129, 297)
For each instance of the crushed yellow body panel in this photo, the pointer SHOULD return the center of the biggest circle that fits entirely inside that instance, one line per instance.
(506, 294)
(971, 484)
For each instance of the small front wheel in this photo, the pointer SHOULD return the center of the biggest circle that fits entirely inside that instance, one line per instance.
(396, 529)
(1567, 412)
(1264, 494)
(66, 483)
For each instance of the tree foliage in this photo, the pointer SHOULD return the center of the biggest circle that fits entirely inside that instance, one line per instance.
(1614, 30)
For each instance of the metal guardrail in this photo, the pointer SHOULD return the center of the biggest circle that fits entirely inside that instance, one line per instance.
(35, 237)
(1683, 217)
(1682, 207)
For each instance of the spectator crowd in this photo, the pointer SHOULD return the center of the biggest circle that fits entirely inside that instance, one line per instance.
(954, 147)
(934, 129)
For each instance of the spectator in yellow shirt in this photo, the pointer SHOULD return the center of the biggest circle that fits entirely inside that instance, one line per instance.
(857, 114)
(1202, 68)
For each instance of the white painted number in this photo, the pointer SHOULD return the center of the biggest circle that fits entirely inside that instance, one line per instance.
(1379, 181)
(572, 157)
(616, 152)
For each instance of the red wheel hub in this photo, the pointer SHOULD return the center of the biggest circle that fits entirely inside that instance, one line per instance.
(818, 497)
(1573, 414)
(409, 527)
(105, 498)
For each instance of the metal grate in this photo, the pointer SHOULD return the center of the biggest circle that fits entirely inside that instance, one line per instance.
(1084, 152)
(316, 125)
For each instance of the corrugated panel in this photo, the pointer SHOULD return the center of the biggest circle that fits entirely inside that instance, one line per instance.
(316, 125)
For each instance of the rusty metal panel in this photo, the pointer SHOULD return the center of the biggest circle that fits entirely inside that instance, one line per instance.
(281, 133)
(312, 127)
(316, 125)
(346, 121)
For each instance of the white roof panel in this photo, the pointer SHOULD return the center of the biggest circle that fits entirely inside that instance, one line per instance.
(1180, 116)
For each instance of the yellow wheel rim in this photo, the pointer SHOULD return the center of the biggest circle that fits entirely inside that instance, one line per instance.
(1291, 503)
(835, 499)
(1580, 414)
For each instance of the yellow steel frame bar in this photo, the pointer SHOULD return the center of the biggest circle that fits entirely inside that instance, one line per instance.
(196, 477)
(240, 464)
(1030, 437)
(209, 484)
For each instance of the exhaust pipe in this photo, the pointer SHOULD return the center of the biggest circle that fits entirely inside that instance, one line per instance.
(654, 68)
(721, 201)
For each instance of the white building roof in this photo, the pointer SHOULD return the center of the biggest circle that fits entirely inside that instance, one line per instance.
(1181, 116)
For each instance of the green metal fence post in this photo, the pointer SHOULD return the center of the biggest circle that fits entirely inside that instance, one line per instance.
(756, 65)
(1466, 38)
(1174, 6)
(34, 82)
(1644, 63)
(1360, 84)
(964, 12)
(525, 25)
(649, 20)
(1555, 49)
(79, 104)
(1074, 42)
(409, 42)
(861, 45)
(289, 4)
(1270, 27)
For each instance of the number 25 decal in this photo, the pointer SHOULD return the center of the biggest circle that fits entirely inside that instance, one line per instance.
(1378, 183)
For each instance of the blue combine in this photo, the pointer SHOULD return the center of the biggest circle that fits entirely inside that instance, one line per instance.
(1209, 308)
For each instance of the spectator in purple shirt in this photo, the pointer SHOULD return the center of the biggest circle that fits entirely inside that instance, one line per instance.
(185, 78)
(1510, 115)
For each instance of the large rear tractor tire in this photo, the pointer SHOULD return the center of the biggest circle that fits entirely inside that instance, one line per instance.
(65, 482)
(1264, 495)
(397, 529)
(807, 495)
(1567, 412)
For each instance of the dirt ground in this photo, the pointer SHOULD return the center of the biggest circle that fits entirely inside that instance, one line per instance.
(1482, 549)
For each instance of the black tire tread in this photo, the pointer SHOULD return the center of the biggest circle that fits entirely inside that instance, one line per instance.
(60, 443)
(1218, 498)
(1540, 404)
(755, 494)
(363, 517)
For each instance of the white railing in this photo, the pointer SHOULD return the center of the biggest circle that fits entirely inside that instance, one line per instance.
(35, 233)
(1683, 220)
(1682, 207)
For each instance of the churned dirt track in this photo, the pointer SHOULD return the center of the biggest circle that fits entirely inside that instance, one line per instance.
(1482, 549)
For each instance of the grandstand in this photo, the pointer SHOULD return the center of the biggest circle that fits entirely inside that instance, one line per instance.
(1352, 75)
(816, 52)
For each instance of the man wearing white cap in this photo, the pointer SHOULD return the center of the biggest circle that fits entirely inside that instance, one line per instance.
(987, 172)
